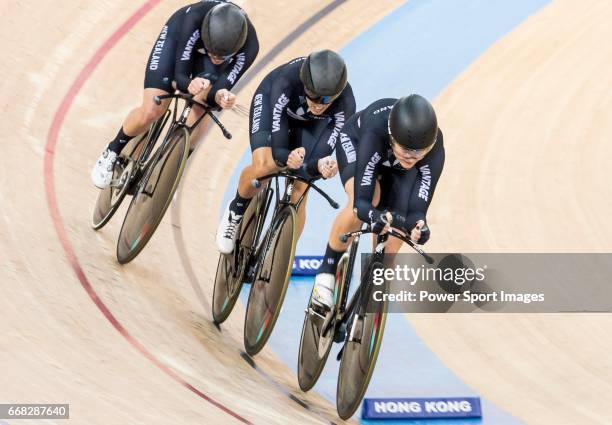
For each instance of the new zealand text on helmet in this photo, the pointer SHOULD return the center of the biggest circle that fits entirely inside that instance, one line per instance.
(413, 123)
(224, 30)
(324, 76)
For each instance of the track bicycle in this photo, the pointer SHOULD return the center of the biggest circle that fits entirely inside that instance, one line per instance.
(150, 176)
(358, 324)
(263, 257)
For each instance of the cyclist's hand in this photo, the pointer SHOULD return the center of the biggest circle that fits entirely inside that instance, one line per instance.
(420, 233)
(328, 167)
(198, 85)
(296, 158)
(225, 99)
(380, 222)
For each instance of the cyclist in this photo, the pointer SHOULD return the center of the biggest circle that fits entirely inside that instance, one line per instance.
(296, 116)
(203, 49)
(390, 160)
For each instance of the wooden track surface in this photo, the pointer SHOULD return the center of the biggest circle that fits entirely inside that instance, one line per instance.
(527, 129)
(528, 134)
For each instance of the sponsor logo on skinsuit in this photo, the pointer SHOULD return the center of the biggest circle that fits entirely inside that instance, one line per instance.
(425, 182)
(383, 109)
(258, 107)
(240, 61)
(158, 48)
(281, 103)
(369, 171)
(190, 45)
(349, 149)
(338, 124)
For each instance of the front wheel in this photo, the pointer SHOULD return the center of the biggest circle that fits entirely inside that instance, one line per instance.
(360, 352)
(271, 280)
(153, 195)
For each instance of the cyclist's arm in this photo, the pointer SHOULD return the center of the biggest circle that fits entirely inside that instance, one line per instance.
(342, 111)
(321, 150)
(369, 156)
(280, 94)
(242, 61)
(186, 46)
(430, 169)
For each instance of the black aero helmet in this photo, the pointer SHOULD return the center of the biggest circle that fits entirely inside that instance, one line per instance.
(224, 30)
(324, 75)
(413, 123)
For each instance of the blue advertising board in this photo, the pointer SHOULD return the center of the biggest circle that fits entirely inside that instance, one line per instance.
(421, 408)
(306, 265)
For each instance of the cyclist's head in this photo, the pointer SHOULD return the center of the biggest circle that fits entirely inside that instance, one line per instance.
(224, 31)
(413, 129)
(413, 124)
(324, 76)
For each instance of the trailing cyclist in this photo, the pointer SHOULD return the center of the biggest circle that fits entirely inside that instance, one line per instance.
(296, 117)
(390, 160)
(203, 49)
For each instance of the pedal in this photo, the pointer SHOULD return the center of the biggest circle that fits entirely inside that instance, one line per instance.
(312, 312)
(119, 170)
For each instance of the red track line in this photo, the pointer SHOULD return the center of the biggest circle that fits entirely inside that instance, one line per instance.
(52, 139)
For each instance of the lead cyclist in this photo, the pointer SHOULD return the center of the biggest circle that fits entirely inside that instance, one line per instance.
(203, 49)
(390, 160)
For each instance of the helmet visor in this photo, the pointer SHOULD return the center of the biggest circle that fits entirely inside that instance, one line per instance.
(322, 100)
(408, 153)
(220, 58)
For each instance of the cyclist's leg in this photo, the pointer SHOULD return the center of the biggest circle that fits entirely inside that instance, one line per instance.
(260, 130)
(140, 118)
(347, 220)
(227, 231)
(158, 81)
(159, 75)
(260, 125)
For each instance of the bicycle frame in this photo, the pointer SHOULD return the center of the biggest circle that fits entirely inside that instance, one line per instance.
(256, 220)
(285, 200)
(178, 121)
(344, 313)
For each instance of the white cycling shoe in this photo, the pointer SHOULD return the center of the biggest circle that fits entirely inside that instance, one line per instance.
(228, 231)
(323, 291)
(102, 173)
